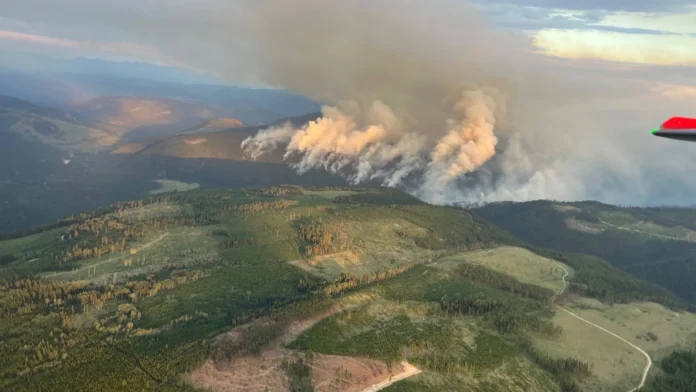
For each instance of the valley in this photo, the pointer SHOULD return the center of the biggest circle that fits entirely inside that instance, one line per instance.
(62, 162)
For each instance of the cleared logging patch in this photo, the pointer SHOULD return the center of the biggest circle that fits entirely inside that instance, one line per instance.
(173, 185)
(525, 266)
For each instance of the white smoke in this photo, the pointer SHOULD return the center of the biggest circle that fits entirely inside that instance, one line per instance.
(267, 140)
(377, 144)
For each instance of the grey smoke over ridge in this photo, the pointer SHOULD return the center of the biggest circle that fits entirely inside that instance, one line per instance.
(425, 89)
(404, 97)
(380, 145)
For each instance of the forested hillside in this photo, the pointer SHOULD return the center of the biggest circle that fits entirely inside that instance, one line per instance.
(656, 244)
(293, 279)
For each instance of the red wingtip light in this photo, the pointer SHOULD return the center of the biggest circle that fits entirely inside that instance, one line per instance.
(679, 123)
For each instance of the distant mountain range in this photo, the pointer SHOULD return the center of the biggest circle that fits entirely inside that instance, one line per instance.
(45, 64)
(61, 83)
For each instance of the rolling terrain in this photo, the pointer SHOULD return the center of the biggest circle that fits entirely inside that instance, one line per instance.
(324, 289)
(51, 127)
(215, 139)
(657, 244)
(137, 118)
(46, 177)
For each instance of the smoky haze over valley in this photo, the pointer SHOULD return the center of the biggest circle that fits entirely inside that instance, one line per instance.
(426, 93)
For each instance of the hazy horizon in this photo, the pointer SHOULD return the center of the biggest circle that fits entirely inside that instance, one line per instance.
(568, 90)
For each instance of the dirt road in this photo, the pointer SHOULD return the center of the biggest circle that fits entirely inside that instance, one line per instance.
(642, 232)
(111, 259)
(123, 256)
(648, 365)
(409, 370)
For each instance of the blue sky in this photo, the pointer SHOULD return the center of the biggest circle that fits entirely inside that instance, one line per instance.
(648, 32)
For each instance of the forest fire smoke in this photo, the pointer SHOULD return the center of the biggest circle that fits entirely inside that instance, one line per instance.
(376, 144)
(423, 94)
(417, 105)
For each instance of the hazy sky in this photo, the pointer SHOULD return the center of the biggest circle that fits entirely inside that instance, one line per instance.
(528, 99)
(640, 31)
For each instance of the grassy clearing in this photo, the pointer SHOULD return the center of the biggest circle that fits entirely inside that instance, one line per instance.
(154, 211)
(594, 220)
(627, 221)
(524, 265)
(616, 365)
(330, 195)
(648, 325)
(173, 186)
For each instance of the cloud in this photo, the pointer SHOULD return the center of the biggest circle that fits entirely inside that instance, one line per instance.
(645, 37)
(612, 46)
(104, 47)
(677, 23)
(613, 5)
(425, 95)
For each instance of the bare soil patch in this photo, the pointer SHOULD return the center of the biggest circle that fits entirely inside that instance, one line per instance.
(196, 141)
(577, 225)
(264, 371)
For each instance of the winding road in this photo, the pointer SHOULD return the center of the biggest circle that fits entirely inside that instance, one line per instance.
(647, 357)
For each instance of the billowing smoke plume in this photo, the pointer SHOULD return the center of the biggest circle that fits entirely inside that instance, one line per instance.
(422, 93)
(402, 100)
(375, 143)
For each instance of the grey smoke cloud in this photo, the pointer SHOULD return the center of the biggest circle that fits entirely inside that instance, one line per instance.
(425, 89)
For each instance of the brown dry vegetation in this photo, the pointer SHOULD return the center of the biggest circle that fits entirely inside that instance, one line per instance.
(264, 371)
(362, 249)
